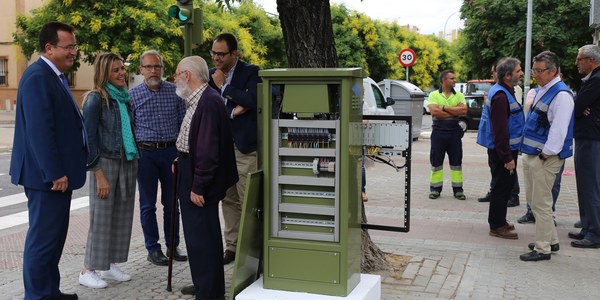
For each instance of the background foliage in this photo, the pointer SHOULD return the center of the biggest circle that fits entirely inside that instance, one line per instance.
(493, 29)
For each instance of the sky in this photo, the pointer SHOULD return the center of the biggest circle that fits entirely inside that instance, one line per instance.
(430, 16)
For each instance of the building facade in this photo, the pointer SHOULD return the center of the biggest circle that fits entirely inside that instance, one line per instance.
(13, 62)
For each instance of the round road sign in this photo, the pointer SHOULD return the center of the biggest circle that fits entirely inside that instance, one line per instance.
(407, 57)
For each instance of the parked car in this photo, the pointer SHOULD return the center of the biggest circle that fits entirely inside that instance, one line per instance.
(374, 101)
(425, 103)
(474, 110)
(478, 87)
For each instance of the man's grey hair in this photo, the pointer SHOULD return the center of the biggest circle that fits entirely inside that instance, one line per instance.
(506, 66)
(550, 59)
(150, 52)
(197, 66)
(591, 51)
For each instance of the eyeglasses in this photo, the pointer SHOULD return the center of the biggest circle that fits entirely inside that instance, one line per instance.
(218, 54)
(179, 74)
(581, 58)
(538, 71)
(152, 67)
(68, 48)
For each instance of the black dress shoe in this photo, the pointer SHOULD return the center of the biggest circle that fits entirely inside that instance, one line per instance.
(534, 256)
(585, 244)
(485, 198)
(526, 218)
(553, 248)
(228, 257)
(513, 201)
(188, 290)
(64, 296)
(577, 224)
(158, 258)
(576, 235)
(178, 255)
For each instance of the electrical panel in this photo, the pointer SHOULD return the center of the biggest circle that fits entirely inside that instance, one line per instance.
(311, 141)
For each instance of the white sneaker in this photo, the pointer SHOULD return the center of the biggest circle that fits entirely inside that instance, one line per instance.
(115, 273)
(91, 279)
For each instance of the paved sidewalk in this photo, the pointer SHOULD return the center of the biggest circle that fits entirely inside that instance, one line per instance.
(7, 125)
(452, 255)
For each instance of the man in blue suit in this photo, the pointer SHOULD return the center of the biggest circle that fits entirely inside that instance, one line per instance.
(236, 81)
(48, 158)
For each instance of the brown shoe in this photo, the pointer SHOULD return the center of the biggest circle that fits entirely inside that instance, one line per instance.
(504, 233)
(228, 257)
(509, 226)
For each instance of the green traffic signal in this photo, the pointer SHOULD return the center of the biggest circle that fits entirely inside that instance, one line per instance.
(183, 11)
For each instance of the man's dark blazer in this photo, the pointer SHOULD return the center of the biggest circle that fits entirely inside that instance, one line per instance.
(242, 91)
(212, 156)
(48, 140)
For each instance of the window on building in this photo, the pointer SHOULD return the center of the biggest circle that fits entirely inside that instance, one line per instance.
(3, 71)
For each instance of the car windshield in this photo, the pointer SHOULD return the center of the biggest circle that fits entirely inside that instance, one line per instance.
(479, 88)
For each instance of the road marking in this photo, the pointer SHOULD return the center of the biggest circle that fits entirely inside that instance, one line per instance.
(23, 217)
(12, 199)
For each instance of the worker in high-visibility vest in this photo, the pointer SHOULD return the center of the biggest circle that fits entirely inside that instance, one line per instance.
(445, 106)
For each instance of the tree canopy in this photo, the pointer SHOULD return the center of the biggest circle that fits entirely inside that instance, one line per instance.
(129, 27)
(495, 29)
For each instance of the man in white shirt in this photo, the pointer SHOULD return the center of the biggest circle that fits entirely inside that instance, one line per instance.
(547, 142)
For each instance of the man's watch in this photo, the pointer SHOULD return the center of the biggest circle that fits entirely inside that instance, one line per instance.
(542, 156)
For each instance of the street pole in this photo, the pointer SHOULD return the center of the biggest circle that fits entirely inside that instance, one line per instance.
(448, 19)
(527, 62)
(187, 40)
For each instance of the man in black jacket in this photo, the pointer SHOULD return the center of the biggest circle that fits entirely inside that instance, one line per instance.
(236, 81)
(587, 146)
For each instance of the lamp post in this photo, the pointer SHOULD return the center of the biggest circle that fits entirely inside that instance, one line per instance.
(448, 19)
(527, 63)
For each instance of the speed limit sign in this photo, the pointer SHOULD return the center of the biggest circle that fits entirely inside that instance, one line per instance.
(407, 57)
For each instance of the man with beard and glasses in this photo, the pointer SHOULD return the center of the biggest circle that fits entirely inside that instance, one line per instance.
(206, 170)
(158, 114)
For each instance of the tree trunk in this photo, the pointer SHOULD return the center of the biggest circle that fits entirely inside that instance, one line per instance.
(309, 43)
(307, 33)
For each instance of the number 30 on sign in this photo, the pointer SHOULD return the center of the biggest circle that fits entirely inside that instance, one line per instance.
(407, 57)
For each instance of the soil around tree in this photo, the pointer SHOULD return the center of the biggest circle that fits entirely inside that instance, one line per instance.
(397, 265)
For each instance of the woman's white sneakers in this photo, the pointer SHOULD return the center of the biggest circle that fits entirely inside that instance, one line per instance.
(92, 280)
(115, 273)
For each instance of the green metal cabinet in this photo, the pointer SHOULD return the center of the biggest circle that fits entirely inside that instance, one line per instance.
(310, 146)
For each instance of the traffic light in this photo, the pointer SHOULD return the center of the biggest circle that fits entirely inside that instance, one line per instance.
(183, 11)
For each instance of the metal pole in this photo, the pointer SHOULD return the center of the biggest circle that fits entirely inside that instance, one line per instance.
(174, 208)
(527, 61)
(187, 40)
(448, 19)
(407, 74)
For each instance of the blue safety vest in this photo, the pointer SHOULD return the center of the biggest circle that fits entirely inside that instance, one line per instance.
(485, 135)
(537, 126)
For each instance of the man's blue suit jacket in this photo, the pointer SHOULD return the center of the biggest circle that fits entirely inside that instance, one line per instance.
(48, 142)
(242, 91)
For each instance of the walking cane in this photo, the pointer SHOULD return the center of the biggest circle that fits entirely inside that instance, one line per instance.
(172, 226)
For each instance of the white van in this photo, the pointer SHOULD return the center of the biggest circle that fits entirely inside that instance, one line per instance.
(374, 103)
